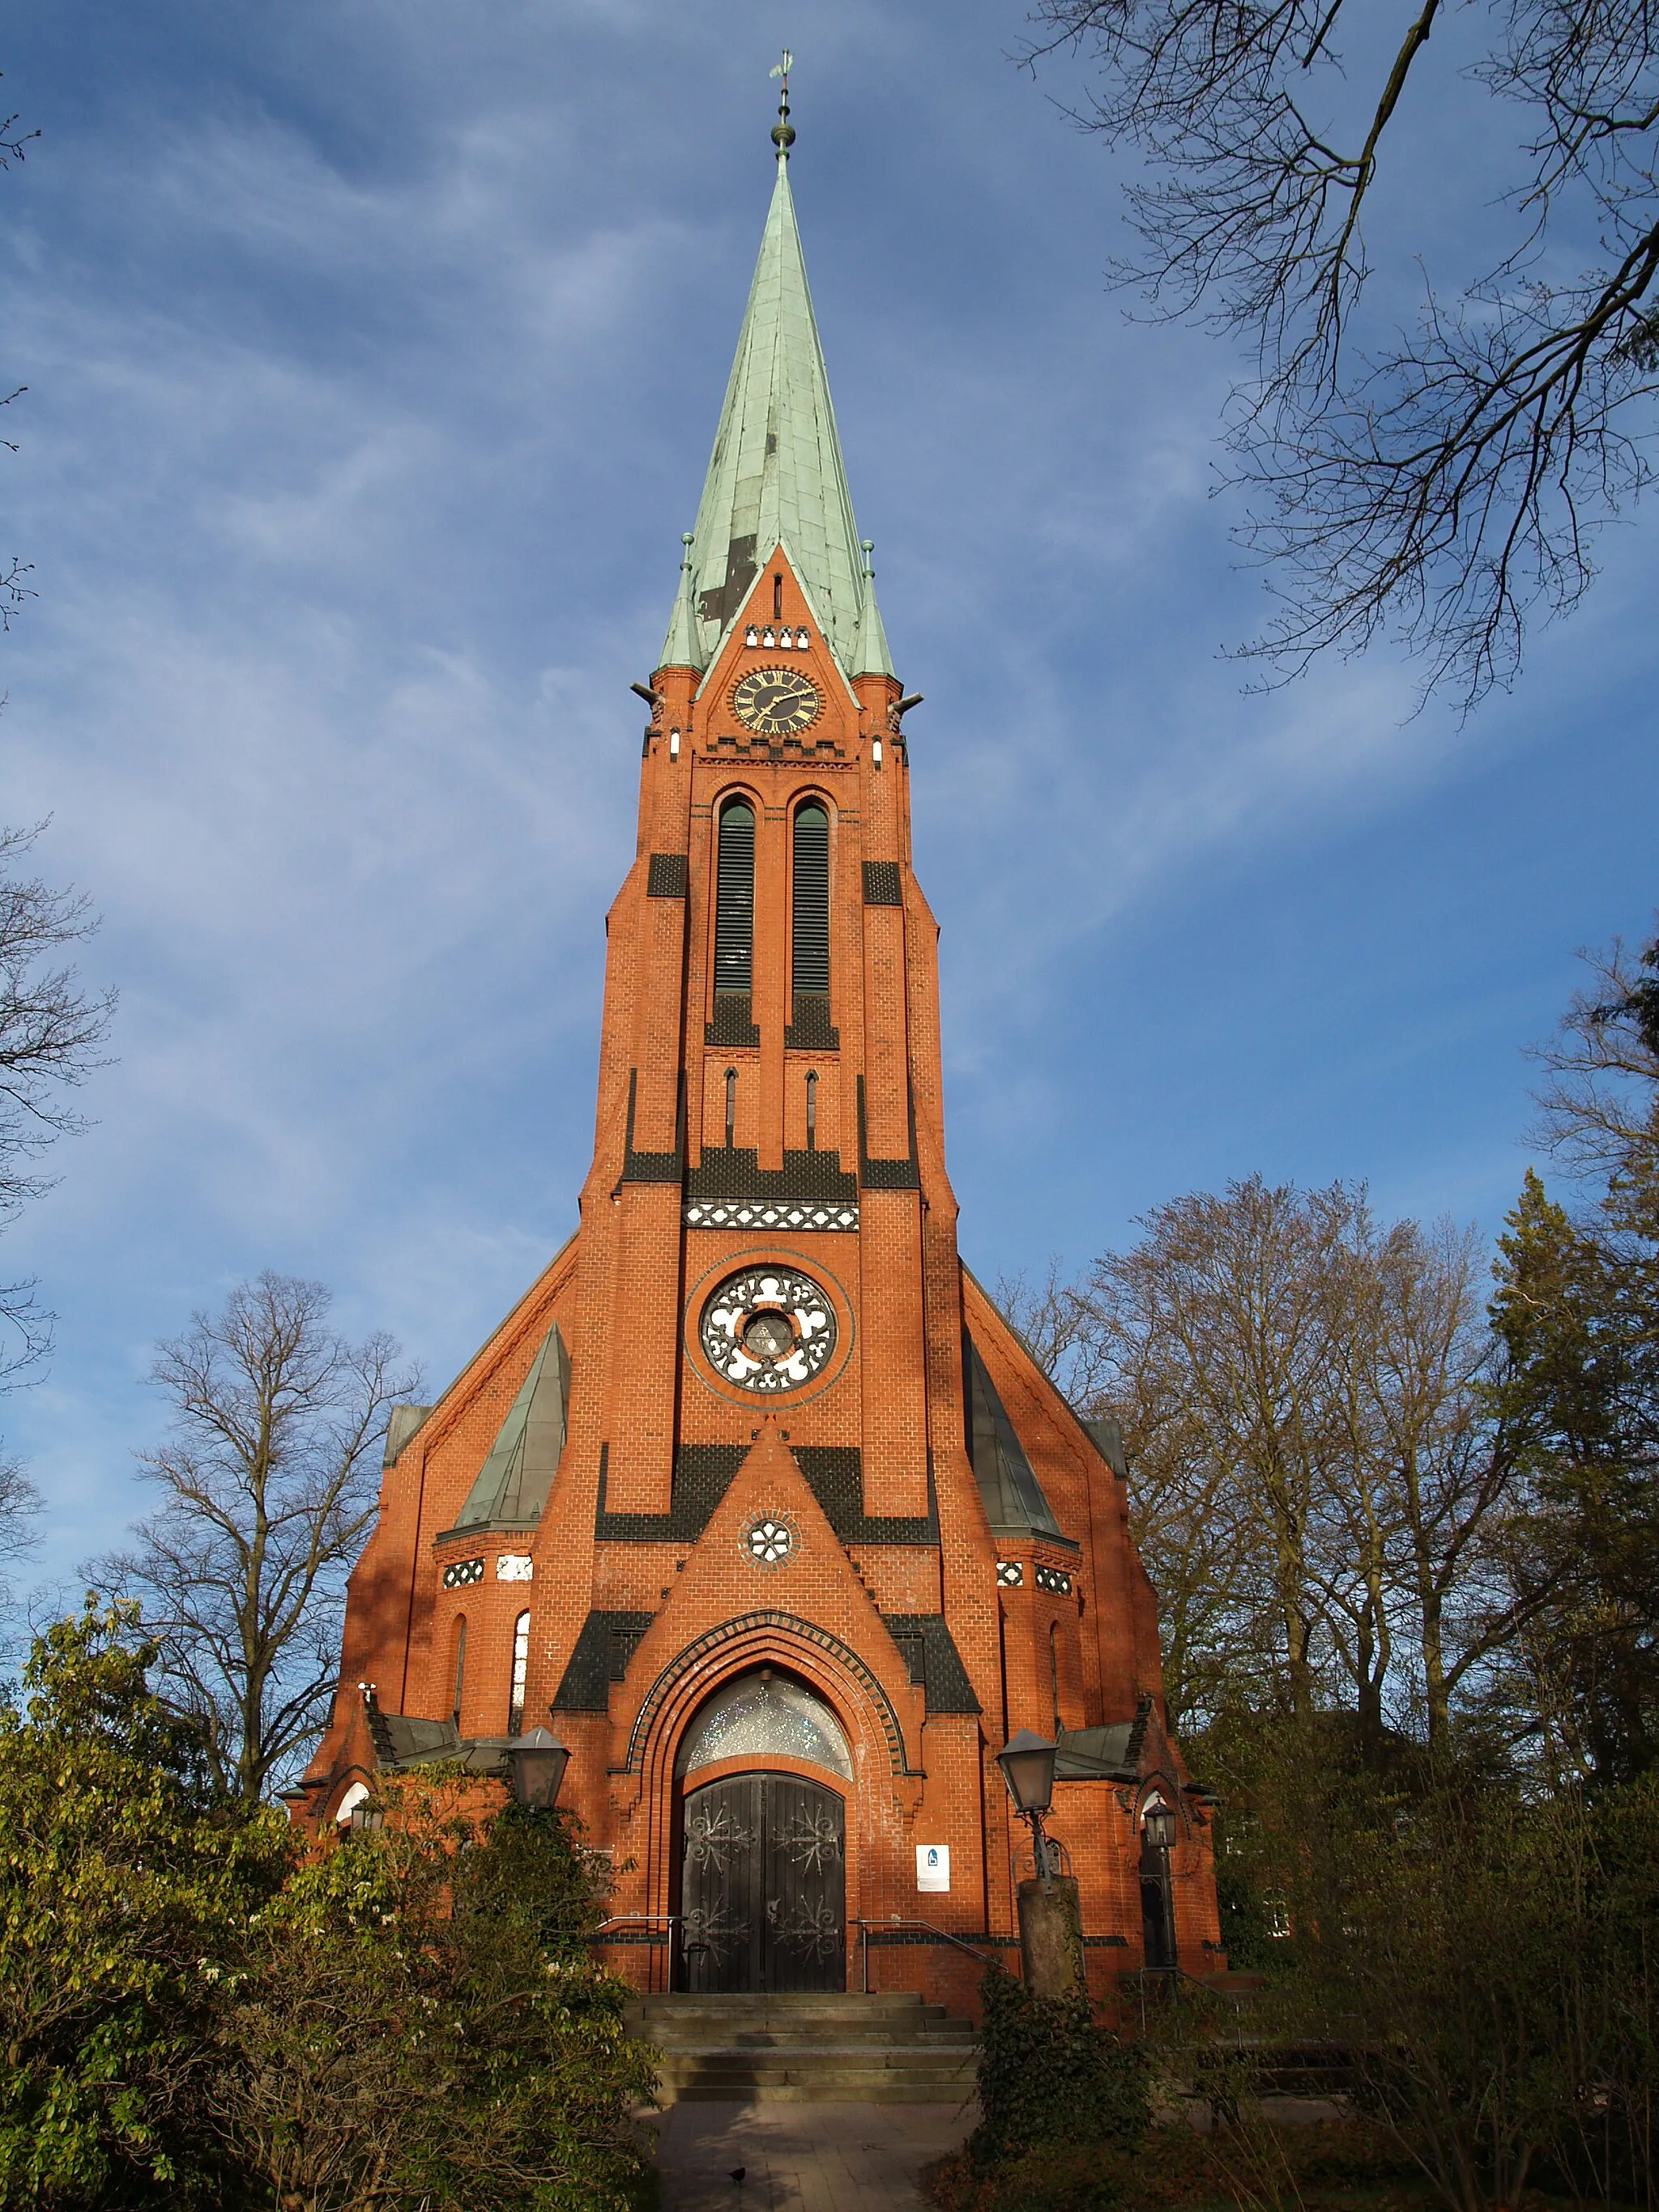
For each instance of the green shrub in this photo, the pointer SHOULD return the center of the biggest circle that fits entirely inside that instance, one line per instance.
(198, 2014)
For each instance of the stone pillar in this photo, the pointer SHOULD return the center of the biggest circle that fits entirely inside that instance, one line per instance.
(1051, 1936)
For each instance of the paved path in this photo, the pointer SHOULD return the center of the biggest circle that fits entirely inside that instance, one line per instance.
(802, 2158)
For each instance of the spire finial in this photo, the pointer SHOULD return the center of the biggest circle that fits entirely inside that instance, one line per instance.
(783, 136)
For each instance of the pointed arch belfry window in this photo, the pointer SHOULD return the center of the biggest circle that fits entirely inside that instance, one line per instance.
(812, 901)
(734, 898)
(734, 925)
(809, 949)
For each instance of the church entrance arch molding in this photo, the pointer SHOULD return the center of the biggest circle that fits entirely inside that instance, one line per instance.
(829, 1667)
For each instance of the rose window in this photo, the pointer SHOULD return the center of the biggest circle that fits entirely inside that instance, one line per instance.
(769, 1542)
(768, 1329)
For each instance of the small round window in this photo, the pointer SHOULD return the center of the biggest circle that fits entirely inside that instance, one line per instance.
(769, 1542)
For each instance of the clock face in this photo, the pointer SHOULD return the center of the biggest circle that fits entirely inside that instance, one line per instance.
(777, 703)
(768, 1329)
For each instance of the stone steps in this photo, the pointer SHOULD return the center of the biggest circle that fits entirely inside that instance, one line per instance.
(799, 2047)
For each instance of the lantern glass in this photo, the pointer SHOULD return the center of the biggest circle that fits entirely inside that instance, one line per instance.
(1157, 1824)
(537, 1760)
(1027, 1761)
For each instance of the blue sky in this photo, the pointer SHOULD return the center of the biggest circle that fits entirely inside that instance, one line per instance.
(375, 350)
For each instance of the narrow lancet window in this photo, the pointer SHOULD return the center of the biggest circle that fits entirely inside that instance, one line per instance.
(731, 1108)
(460, 1668)
(811, 1109)
(520, 1670)
(734, 898)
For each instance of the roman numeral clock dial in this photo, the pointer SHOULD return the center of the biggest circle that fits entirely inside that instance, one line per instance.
(776, 703)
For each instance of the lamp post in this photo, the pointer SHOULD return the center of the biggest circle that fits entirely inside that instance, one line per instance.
(536, 1762)
(1158, 1832)
(1027, 1761)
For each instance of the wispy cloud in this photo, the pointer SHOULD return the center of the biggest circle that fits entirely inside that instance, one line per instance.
(373, 357)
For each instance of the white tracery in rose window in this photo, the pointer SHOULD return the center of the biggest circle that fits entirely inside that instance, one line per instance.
(768, 1328)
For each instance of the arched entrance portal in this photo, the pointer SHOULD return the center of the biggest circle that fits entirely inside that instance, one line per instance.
(762, 1839)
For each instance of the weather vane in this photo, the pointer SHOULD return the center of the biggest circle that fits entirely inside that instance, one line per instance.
(783, 136)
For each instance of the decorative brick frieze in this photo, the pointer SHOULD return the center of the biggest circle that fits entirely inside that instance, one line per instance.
(666, 876)
(771, 1214)
(931, 1654)
(734, 1021)
(811, 1029)
(724, 1173)
(607, 1642)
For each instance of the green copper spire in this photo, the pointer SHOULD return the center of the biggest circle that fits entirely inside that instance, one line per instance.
(776, 475)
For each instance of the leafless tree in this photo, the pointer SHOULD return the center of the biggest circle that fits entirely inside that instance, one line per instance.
(13, 588)
(1445, 480)
(1317, 1472)
(51, 1028)
(1220, 1320)
(268, 1483)
(1432, 1464)
(1056, 1322)
(1600, 1102)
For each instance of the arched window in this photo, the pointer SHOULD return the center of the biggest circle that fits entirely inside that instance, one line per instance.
(458, 1673)
(357, 1794)
(810, 949)
(731, 1108)
(734, 898)
(520, 1669)
(761, 1715)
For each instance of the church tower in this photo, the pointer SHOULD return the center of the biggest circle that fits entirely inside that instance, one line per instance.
(754, 1497)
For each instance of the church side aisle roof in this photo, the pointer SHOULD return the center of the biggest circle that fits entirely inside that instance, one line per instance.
(776, 476)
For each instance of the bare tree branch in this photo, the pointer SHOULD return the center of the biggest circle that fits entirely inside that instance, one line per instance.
(268, 1483)
(1599, 1109)
(50, 1029)
(1443, 484)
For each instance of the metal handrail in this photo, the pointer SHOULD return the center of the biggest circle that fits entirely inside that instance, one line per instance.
(669, 1920)
(1175, 1975)
(893, 1920)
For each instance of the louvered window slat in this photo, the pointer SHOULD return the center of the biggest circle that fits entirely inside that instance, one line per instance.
(812, 901)
(734, 899)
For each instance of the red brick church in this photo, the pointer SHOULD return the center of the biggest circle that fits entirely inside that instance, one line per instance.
(754, 1498)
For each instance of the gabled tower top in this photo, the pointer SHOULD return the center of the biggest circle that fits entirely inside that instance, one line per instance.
(776, 476)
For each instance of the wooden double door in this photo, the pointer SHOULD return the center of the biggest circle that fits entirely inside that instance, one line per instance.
(763, 1885)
